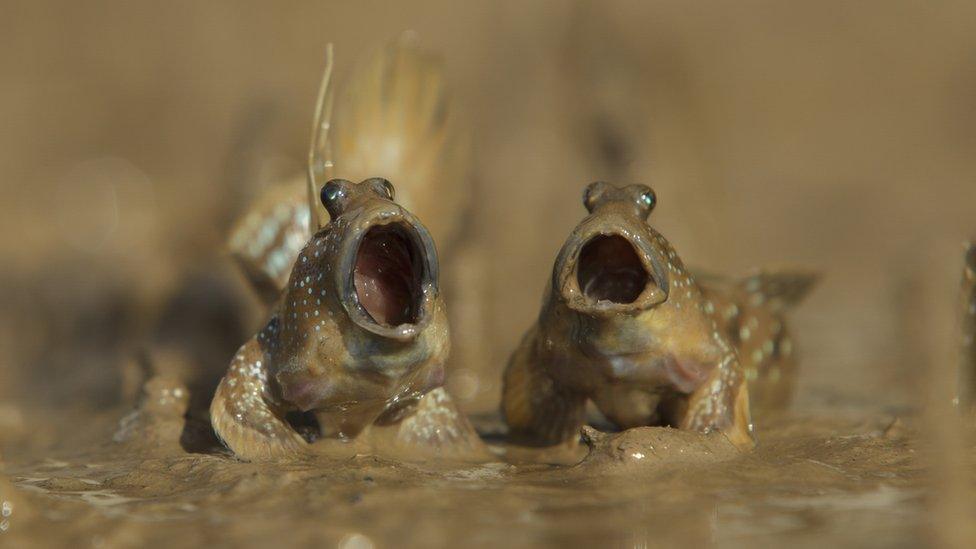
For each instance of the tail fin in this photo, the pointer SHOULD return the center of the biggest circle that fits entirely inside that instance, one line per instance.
(779, 289)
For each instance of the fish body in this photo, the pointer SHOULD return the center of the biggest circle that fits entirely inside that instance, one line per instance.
(626, 325)
(359, 335)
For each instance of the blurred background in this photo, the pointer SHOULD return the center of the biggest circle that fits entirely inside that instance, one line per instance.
(828, 135)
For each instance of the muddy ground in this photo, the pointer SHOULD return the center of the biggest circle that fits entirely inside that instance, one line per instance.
(853, 480)
(825, 135)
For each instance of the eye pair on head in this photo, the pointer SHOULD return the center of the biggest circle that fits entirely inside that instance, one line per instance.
(337, 193)
(599, 193)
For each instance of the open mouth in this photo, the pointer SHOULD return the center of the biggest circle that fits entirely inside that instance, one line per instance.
(388, 275)
(609, 269)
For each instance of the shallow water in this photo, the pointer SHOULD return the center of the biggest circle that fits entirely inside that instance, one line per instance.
(813, 481)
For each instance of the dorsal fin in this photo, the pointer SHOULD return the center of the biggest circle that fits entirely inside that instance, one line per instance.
(394, 120)
(320, 160)
(782, 289)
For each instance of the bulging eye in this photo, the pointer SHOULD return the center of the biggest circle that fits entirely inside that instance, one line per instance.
(644, 197)
(334, 196)
(648, 199)
(382, 187)
(593, 193)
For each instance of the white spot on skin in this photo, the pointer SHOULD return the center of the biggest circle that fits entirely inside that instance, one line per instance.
(786, 347)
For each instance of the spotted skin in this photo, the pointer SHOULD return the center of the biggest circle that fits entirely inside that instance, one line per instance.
(319, 353)
(752, 314)
(322, 351)
(268, 238)
(248, 415)
(967, 367)
(658, 359)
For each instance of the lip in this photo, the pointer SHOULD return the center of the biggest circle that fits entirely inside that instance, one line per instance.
(421, 243)
(565, 279)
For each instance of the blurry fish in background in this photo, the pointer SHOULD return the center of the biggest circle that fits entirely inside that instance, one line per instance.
(947, 437)
(966, 396)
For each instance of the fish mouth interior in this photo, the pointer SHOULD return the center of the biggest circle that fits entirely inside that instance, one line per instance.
(609, 269)
(388, 275)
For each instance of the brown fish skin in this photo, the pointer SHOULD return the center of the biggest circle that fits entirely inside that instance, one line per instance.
(752, 313)
(624, 324)
(360, 334)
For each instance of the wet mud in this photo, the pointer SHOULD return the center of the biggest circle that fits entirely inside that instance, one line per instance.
(815, 479)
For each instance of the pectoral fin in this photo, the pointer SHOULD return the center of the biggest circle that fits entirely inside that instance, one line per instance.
(438, 429)
(243, 416)
(722, 404)
(535, 408)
